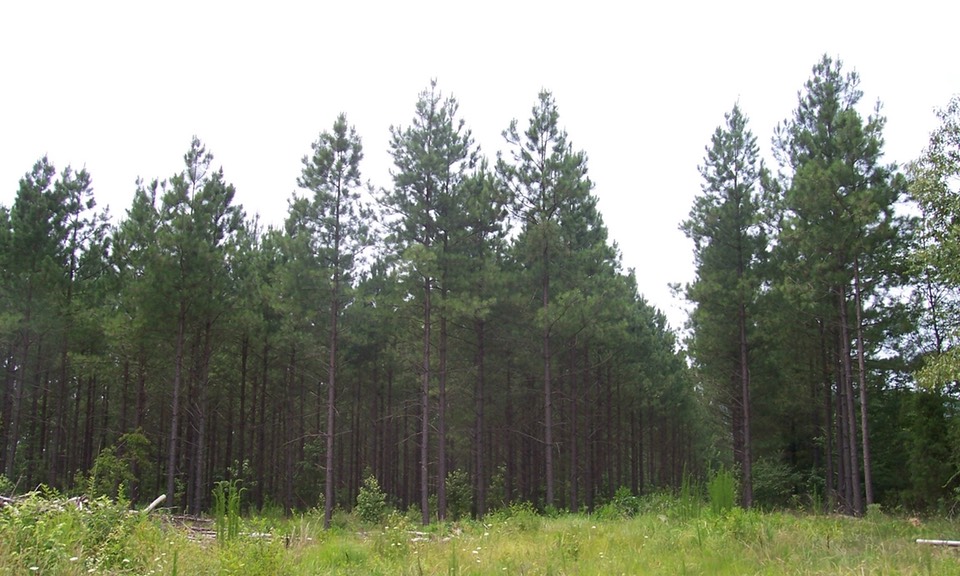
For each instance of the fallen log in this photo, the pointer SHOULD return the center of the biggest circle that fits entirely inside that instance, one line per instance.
(951, 543)
(159, 500)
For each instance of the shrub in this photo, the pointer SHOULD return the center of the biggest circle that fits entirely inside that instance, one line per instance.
(45, 533)
(371, 501)
(623, 505)
(459, 495)
(520, 516)
(773, 483)
(113, 467)
(6, 486)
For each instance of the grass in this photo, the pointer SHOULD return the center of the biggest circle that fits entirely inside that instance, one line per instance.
(43, 537)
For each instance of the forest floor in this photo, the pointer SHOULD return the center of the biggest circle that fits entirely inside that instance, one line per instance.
(40, 537)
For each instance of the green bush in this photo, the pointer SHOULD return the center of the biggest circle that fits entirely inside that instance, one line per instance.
(112, 472)
(371, 501)
(459, 495)
(6, 486)
(774, 483)
(623, 505)
(46, 533)
(519, 516)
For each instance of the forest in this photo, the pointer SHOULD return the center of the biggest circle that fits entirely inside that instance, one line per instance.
(467, 336)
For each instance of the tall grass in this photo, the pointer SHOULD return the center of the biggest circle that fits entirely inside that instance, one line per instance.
(41, 536)
(722, 489)
(226, 509)
(690, 498)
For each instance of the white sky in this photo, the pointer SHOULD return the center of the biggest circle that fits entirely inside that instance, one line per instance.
(121, 87)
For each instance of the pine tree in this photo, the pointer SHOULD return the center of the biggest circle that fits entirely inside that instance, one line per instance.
(729, 245)
(838, 201)
(197, 220)
(332, 173)
(550, 194)
(431, 158)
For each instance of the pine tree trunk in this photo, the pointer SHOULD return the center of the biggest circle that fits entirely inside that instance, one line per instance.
(242, 428)
(747, 470)
(830, 477)
(175, 403)
(261, 428)
(201, 408)
(329, 472)
(442, 406)
(618, 438)
(574, 480)
(547, 384)
(853, 469)
(508, 480)
(425, 409)
(479, 473)
(862, 374)
(6, 401)
(844, 491)
(16, 396)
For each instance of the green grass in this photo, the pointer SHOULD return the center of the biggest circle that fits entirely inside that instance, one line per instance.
(40, 536)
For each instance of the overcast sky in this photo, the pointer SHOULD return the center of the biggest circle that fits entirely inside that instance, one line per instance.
(121, 87)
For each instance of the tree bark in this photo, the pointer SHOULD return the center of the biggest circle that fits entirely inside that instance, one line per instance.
(547, 384)
(747, 471)
(425, 408)
(442, 402)
(175, 403)
(862, 376)
(853, 469)
(479, 473)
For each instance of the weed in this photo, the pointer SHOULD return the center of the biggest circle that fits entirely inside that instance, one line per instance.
(49, 534)
(226, 509)
(690, 501)
(722, 489)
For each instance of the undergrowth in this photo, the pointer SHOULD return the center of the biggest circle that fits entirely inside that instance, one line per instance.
(44, 533)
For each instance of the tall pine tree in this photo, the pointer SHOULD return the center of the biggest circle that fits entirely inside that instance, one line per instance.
(729, 245)
(332, 173)
(431, 159)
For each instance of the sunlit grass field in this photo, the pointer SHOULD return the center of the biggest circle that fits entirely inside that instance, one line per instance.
(40, 536)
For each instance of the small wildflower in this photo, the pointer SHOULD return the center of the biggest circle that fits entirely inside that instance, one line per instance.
(74, 558)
